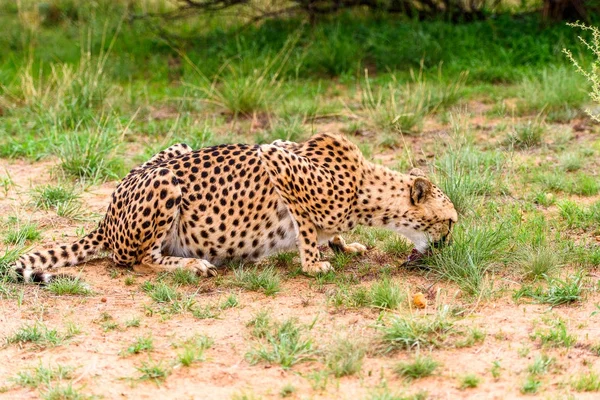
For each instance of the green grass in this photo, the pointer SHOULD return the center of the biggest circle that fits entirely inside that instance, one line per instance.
(588, 382)
(555, 335)
(472, 256)
(153, 371)
(287, 390)
(526, 135)
(285, 344)
(193, 350)
(420, 367)
(404, 333)
(385, 294)
(538, 262)
(469, 381)
(266, 280)
(558, 291)
(260, 324)
(231, 301)
(345, 357)
(183, 277)
(142, 344)
(41, 375)
(64, 392)
(556, 90)
(19, 234)
(91, 154)
(67, 286)
(531, 385)
(466, 174)
(161, 292)
(350, 297)
(38, 334)
(63, 199)
(541, 365)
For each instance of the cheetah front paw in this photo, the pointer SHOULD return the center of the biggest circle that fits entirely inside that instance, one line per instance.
(202, 267)
(355, 248)
(338, 245)
(320, 267)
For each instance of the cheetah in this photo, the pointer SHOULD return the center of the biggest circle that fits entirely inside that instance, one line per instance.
(199, 209)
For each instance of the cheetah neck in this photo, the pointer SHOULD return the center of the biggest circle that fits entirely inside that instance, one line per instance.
(384, 201)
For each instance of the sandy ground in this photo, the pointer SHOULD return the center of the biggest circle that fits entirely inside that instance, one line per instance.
(102, 370)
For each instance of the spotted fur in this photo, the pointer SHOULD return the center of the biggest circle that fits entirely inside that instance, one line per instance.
(197, 209)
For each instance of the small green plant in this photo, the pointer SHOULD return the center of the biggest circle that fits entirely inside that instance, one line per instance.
(345, 358)
(474, 252)
(60, 198)
(351, 297)
(420, 367)
(21, 233)
(60, 392)
(162, 293)
(558, 291)
(38, 334)
(385, 294)
(91, 153)
(415, 332)
(469, 381)
(318, 379)
(266, 280)
(588, 382)
(540, 261)
(193, 350)
(284, 345)
(397, 246)
(132, 323)
(231, 302)
(260, 324)
(496, 369)
(41, 375)
(206, 312)
(183, 277)
(153, 371)
(556, 335)
(525, 136)
(287, 390)
(141, 344)
(531, 385)
(471, 337)
(540, 365)
(68, 286)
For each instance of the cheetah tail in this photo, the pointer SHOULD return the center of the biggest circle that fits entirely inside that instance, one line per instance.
(33, 267)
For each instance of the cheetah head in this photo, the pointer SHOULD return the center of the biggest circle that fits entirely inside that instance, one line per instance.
(410, 205)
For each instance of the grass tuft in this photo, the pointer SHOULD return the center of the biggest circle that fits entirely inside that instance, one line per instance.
(420, 367)
(284, 345)
(345, 358)
(266, 280)
(68, 286)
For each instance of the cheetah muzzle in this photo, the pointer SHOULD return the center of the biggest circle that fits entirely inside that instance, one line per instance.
(199, 209)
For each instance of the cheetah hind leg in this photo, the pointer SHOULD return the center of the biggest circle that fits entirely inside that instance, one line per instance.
(338, 245)
(152, 248)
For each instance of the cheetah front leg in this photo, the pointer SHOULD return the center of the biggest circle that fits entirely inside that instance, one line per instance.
(338, 245)
(307, 247)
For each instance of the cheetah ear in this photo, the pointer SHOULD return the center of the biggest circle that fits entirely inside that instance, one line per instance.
(416, 172)
(420, 190)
